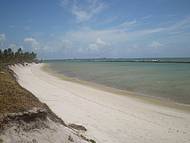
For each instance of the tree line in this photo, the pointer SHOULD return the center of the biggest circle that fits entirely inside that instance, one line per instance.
(9, 56)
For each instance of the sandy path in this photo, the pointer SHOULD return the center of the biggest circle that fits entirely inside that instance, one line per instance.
(109, 118)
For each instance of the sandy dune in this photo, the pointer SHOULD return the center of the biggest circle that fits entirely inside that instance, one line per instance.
(109, 118)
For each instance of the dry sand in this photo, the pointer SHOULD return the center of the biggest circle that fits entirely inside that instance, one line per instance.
(108, 117)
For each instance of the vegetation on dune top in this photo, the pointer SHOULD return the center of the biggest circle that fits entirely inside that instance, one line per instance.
(14, 98)
(7, 56)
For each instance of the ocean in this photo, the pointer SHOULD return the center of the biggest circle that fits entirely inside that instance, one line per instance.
(165, 78)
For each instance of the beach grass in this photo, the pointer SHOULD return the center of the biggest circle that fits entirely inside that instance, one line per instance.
(14, 98)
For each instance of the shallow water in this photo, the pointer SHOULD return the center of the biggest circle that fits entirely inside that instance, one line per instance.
(162, 80)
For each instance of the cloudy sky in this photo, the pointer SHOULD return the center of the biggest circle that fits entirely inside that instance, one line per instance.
(58, 29)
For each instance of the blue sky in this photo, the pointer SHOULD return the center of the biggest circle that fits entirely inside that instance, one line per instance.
(57, 29)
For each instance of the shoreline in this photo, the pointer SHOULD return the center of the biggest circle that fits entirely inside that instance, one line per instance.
(109, 118)
(136, 96)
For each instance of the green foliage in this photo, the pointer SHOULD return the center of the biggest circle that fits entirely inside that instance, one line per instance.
(10, 57)
(13, 98)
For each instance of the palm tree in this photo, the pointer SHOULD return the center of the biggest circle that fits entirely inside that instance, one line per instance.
(5, 52)
(8, 56)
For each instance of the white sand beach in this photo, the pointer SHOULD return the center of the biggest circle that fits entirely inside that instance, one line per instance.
(108, 117)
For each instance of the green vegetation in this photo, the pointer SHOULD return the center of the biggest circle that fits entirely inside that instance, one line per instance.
(7, 56)
(14, 98)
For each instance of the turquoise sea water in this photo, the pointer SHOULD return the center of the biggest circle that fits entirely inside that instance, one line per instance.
(162, 78)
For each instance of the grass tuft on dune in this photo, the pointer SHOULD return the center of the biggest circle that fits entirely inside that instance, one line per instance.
(14, 98)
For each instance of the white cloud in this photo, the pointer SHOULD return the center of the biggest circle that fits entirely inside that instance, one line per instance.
(66, 44)
(126, 24)
(58, 47)
(98, 45)
(120, 34)
(121, 37)
(118, 38)
(83, 11)
(99, 41)
(92, 46)
(2, 39)
(155, 45)
(180, 25)
(32, 42)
